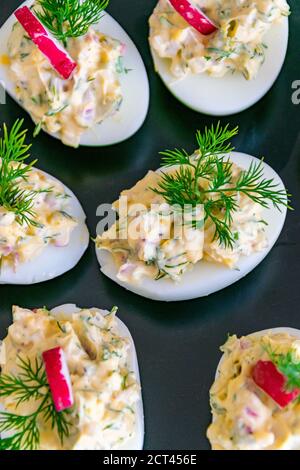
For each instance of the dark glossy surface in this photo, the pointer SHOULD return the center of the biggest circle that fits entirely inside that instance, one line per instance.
(178, 343)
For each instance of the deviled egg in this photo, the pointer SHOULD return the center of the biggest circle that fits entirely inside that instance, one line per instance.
(255, 396)
(195, 226)
(85, 388)
(82, 81)
(227, 67)
(42, 224)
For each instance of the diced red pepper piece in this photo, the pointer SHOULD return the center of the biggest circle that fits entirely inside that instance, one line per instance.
(58, 378)
(57, 55)
(267, 377)
(194, 16)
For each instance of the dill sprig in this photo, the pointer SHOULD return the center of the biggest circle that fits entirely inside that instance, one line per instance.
(13, 169)
(219, 194)
(30, 384)
(288, 366)
(71, 18)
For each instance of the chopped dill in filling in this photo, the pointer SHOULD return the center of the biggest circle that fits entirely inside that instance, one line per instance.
(104, 387)
(196, 207)
(93, 93)
(245, 417)
(237, 46)
(33, 207)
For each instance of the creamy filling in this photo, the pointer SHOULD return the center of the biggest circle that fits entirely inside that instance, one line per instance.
(237, 46)
(67, 107)
(21, 242)
(104, 387)
(245, 417)
(152, 239)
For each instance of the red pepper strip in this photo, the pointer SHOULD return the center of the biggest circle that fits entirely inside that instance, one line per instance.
(266, 376)
(194, 16)
(58, 378)
(57, 56)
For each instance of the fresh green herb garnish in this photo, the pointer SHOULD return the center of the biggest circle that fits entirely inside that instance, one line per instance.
(120, 67)
(53, 112)
(161, 274)
(124, 384)
(165, 21)
(288, 366)
(23, 55)
(30, 384)
(62, 328)
(70, 19)
(109, 426)
(219, 195)
(66, 215)
(113, 310)
(38, 128)
(34, 100)
(222, 53)
(62, 196)
(13, 153)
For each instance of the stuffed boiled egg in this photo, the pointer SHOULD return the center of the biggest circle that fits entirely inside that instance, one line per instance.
(216, 57)
(84, 374)
(84, 83)
(42, 224)
(195, 226)
(255, 396)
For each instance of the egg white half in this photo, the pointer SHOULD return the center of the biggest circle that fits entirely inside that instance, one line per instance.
(137, 441)
(293, 443)
(231, 93)
(135, 87)
(205, 278)
(53, 261)
(283, 329)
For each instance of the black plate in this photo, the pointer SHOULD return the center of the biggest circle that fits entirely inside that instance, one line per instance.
(177, 343)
